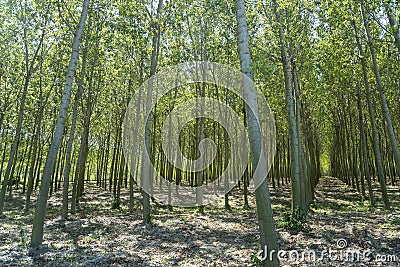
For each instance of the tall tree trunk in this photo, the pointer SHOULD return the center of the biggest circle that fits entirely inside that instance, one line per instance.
(363, 150)
(33, 161)
(29, 68)
(38, 221)
(132, 163)
(377, 151)
(200, 136)
(294, 140)
(67, 169)
(384, 105)
(146, 168)
(26, 171)
(264, 211)
(3, 158)
(305, 189)
(85, 139)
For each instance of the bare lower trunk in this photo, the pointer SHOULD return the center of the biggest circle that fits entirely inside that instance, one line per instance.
(363, 150)
(67, 169)
(33, 161)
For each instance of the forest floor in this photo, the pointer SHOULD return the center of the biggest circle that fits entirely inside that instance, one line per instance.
(99, 236)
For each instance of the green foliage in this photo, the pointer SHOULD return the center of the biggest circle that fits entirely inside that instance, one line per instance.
(115, 204)
(90, 238)
(295, 221)
(313, 205)
(255, 261)
(395, 221)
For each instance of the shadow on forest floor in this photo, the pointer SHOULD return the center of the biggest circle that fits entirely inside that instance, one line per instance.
(99, 236)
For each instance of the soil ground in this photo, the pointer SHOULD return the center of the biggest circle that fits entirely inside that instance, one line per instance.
(99, 236)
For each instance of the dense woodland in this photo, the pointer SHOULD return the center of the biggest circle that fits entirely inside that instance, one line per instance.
(68, 69)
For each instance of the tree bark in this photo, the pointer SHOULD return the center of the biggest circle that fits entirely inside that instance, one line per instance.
(294, 140)
(38, 221)
(384, 105)
(67, 169)
(377, 151)
(363, 150)
(264, 211)
(146, 168)
(29, 69)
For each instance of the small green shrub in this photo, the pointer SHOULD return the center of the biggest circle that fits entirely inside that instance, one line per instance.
(395, 221)
(115, 204)
(313, 205)
(295, 221)
(255, 261)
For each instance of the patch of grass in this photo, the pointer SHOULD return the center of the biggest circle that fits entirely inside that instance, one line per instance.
(89, 238)
(295, 221)
(313, 205)
(395, 221)
(324, 211)
(255, 261)
(115, 204)
(279, 207)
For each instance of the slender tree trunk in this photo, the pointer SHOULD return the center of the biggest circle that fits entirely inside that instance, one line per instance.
(363, 150)
(120, 178)
(85, 140)
(294, 141)
(67, 169)
(384, 105)
(29, 69)
(304, 180)
(3, 158)
(377, 151)
(116, 163)
(200, 134)
(38, 221)
(105, 164)
(74, 197)
(26, 171)
(146, 168)
(133, 163)
(264, 211)
(53, 180)
(38, 167)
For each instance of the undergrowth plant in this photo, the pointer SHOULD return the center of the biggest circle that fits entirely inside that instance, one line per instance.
(295, 221)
